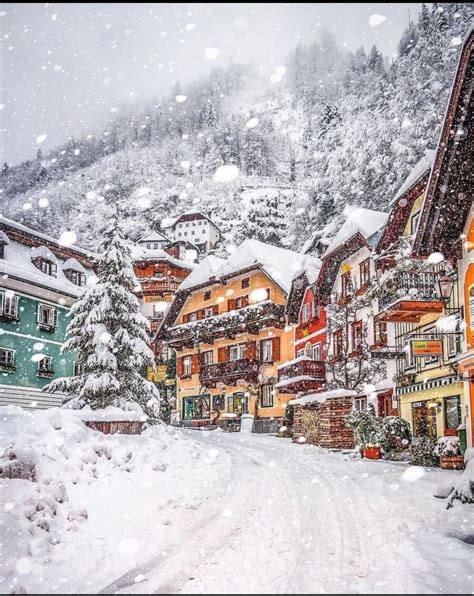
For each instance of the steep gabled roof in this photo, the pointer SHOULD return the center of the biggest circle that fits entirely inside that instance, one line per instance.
(154, 237)
(140, 254)
(402, 203)
(190, 216)
(307, 275)
(362, 228)
(449, 196)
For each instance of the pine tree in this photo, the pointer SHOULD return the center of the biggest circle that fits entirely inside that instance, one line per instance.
(109, 335)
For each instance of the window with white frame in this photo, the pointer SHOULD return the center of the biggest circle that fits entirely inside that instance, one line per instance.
(208, 357)
(266, 396)
(300, 353)
(7, 359)
(9, 305)
(45, 367)
(267, 350)
(187, 365)
(360, 404)
(308, 349)
(47, 316)
(317, 352)
(208, 312)
(237, 352)
(305, 313)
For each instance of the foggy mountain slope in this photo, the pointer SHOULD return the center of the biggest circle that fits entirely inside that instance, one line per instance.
(333, 129)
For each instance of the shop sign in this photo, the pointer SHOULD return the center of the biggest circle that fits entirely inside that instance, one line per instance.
(423, 348)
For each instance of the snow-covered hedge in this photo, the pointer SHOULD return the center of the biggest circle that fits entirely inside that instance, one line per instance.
(447, 447)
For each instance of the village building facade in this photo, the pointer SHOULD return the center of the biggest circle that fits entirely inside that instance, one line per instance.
(39, 281)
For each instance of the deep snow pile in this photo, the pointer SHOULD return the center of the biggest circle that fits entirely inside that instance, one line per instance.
(54, 470)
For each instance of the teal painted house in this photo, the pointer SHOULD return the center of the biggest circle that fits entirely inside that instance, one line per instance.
(39, 281)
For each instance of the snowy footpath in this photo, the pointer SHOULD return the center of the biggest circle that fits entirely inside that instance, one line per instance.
(180, 511)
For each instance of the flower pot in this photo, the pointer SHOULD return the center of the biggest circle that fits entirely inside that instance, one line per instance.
(452, 462)
(372, 452)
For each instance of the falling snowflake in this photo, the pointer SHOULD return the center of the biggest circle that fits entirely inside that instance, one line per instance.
(376, 19)
(226, 174)
(181, 98)
(43, 202)
(41, 138)
(67, 238)
(252, 123)
(211, 53)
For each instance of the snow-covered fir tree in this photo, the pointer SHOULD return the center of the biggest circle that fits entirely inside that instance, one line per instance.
(110, 335)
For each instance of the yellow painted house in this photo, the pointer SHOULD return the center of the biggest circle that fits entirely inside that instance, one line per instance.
(426, 309)
(228, 326)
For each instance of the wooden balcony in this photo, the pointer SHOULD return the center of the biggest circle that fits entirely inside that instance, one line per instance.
(249, 319)
(230, 372)
(408, 297)
(151, 286)
(302, 374)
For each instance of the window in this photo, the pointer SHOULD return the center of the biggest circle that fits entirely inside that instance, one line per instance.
(300, 353)
(380, 332)
(159, 274)
(414, 222)
(45, 367)
(237, 352)
(207, 295)
(266, 396)
(241, 302)
(452, 412)
(317, 355)
(346, 284)
(208, 312)
(337, 339)
(9, 303)
(207, 358)
(308, 350)
(267, 350)
(197, 407)
(364, 273)
(192, 316)
(78, 368)
(238, 404)
(76, 277)
(305, 313)
(454, 340)
(46, 266)
(245, 282)
(47, 316)
(187, 365)
(7, 359)
(357, 336)
(360, 404)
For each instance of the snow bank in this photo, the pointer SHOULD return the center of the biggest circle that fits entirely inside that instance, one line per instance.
(67, 491)
(110, 414)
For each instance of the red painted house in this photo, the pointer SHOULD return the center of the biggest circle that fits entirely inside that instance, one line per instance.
(306, 373)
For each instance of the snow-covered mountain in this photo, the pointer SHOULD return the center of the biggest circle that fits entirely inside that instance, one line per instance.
(332, 129)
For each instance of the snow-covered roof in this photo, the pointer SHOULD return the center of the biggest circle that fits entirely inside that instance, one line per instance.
(13, 224)
(44, 253)
(17, 264)
(190, 215)
(141, 253)
(322, 397)
(207, 268)
(311, 266)
(278, 263)
(366, 222)
(154, 237)
(73, 264)
(419, 170)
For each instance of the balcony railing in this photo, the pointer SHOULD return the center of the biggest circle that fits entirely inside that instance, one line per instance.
(408, 296)
(150, 285)
(302, 374)
(230, 372)
(248, 319)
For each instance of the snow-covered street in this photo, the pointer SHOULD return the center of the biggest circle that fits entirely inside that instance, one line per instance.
(296, 519)
(177, 511)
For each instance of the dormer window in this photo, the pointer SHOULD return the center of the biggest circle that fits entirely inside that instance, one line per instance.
(44, 260)
(4, 240)
(74, 272)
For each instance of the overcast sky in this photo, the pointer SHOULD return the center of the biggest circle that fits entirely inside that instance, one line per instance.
(66, 68)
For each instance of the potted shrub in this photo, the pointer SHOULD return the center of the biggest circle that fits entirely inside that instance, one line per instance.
(366, 428)
(395, 436)
(449, 452)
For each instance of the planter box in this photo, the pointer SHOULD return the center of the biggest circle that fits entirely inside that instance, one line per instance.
(120, 427)
(372, 452)
(453, 462)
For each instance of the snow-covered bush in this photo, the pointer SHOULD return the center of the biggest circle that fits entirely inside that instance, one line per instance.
(395, 434)
(366, 426)
(447, 447)
(463, 489)
(422, 452)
